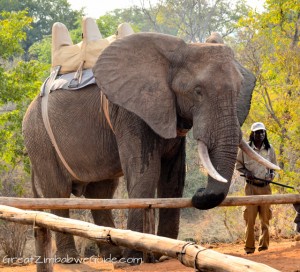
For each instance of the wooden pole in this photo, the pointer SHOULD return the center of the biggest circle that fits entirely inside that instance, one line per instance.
(189, 254)
(43, 248)
(98, 204)
(149, 221)
(149, 227)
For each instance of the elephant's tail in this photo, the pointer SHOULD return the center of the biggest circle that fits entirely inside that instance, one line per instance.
(33, 185)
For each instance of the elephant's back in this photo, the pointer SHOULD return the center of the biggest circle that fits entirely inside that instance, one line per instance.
(32, 125)
(69, 112)
(80, 130)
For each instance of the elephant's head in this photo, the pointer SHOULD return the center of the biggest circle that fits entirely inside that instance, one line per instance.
(159, 77)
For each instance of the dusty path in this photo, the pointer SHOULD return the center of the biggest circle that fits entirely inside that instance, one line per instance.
(283, 255)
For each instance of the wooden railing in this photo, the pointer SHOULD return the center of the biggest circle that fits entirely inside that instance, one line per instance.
(189, 254)
(98, 204)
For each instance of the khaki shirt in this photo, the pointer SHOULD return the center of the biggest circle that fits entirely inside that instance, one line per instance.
(257, 169)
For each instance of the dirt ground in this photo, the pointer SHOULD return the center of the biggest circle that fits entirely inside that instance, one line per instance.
(282, 255)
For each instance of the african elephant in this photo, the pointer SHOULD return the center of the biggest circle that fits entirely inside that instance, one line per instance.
(158, 88)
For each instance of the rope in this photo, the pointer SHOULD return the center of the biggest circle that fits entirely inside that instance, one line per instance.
(104, 105)
(195, 261)
(180, 254)
(183, 251)
(45, 117)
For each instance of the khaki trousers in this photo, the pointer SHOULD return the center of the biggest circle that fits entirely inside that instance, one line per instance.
(250, 214)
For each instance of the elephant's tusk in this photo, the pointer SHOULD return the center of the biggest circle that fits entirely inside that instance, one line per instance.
(204, 157)
(252, 154)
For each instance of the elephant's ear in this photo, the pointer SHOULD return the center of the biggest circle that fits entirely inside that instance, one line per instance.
(245, 95)
(133, 73)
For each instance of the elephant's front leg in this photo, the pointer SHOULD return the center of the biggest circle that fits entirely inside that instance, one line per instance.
(171, 185)
(141, 183)
(140, 155)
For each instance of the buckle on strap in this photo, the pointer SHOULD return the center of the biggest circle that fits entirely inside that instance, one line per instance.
(77, 77)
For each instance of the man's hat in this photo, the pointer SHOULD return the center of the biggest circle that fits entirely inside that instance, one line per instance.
(258, 126)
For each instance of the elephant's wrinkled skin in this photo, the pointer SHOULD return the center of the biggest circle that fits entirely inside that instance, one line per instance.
(158, 85)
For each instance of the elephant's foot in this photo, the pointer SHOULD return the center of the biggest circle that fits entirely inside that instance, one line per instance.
(160, 257)
(110, 252)
(67, 256)
(91, 249)
(164, 258)
(133, 257)
(150, 258)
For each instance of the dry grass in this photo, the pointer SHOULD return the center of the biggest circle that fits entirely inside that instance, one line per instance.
(13, 238)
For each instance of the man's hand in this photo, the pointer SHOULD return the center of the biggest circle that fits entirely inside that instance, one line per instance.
(248, 175)
(270, 176)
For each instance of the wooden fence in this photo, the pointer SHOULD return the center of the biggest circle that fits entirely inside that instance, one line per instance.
(189, 254)
(98, 204)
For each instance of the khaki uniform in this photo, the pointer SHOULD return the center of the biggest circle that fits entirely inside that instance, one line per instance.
(264, 211)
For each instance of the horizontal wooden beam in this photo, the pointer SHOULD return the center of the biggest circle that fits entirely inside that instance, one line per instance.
(98, 204)
(190, 255)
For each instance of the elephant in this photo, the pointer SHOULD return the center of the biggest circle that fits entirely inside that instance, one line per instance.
(158, 88)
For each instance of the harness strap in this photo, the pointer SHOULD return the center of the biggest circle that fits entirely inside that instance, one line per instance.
(45, 117)
(77, 77)
(104, 105)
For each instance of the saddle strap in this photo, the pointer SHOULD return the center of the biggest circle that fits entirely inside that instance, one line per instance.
(77, 77)
(46, 121)
(104, 105)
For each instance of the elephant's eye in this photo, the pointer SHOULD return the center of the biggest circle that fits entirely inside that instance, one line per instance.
(198, 90)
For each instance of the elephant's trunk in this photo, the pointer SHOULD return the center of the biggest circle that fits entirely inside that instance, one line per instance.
(223, 160)
(217, 188)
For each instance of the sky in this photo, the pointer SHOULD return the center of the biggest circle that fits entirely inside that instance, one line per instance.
(97, 8)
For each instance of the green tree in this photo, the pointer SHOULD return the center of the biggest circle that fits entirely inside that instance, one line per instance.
(41, 50)
(109, 22)
(19, 83)
(194, 20)
(270, 46)
(10, 35)
(22, 85)
(44, 13)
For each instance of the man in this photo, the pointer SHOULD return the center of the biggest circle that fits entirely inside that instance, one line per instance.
(251, 170)
(297, 221)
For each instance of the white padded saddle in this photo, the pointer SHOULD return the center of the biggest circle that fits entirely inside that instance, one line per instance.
(70, 56)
